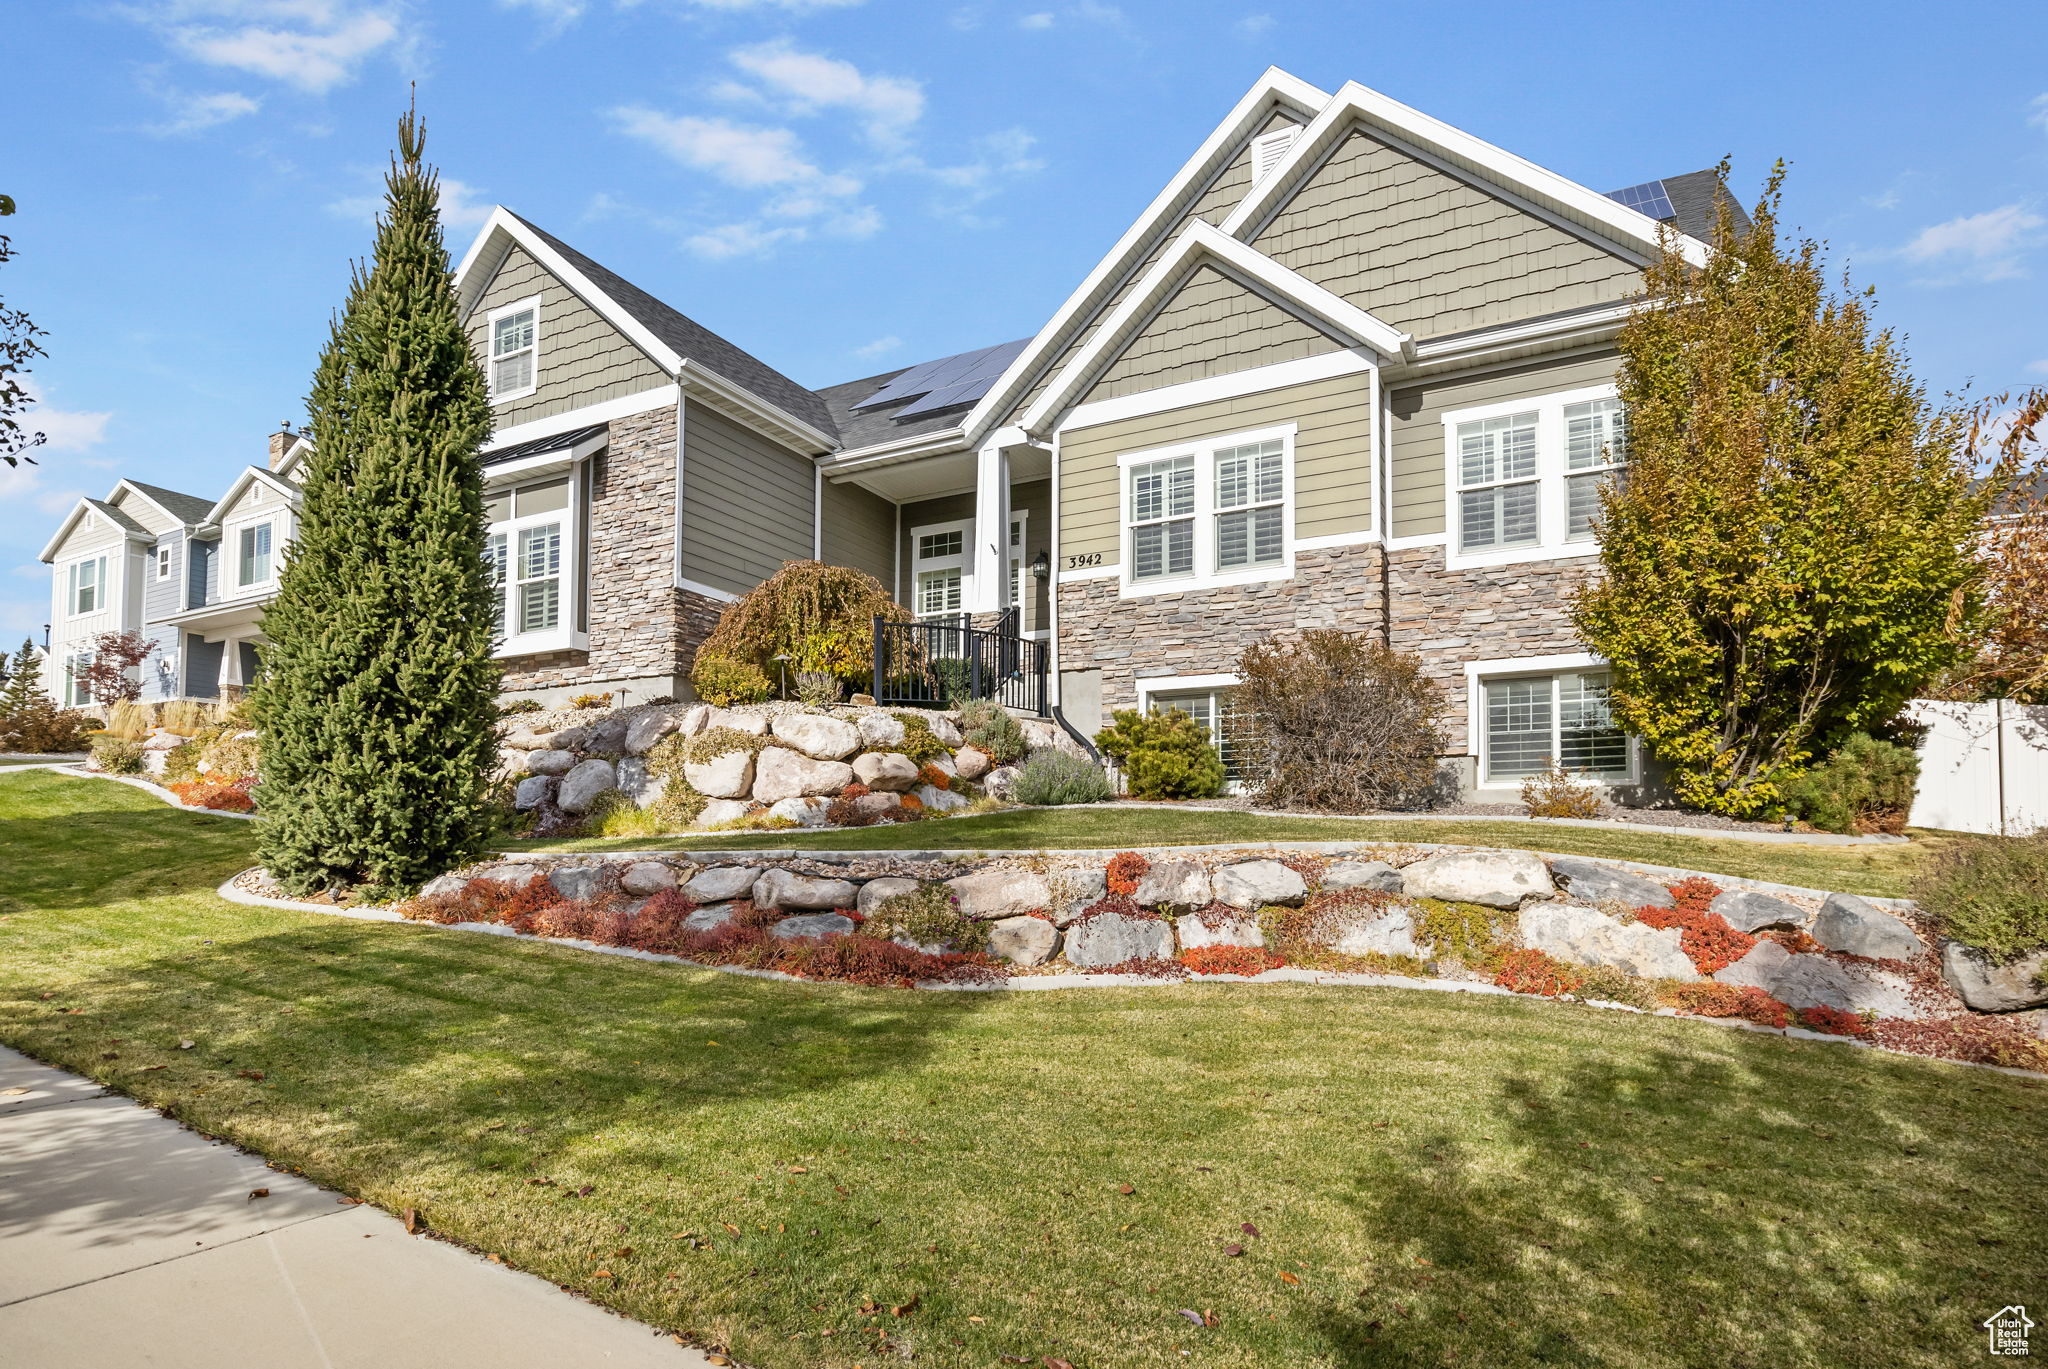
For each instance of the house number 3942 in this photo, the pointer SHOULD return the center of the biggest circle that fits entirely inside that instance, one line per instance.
(1093, 558)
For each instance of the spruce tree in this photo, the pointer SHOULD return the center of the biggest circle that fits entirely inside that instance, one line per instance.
(24, 681)
(378, 698)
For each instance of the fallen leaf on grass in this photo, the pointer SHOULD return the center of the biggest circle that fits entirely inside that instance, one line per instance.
(730, 1227)
(1233, 1250)
(586, 1190)
(1051, 1363)
(798, 1169)
(1125, 1188)
(257, 1075)
(146, 1069)
(1286, 1277)
(907, 1308)
(1249, 1230)
(602, 1274)
(974, 1319)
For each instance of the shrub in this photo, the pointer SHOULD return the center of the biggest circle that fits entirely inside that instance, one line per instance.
(1163, 755)
(987, 726)
(509, 707)
(919, 742)
(1987, 892)
(819, 688)
(1866, 786)
(820, 616)
(1246, 960)
(1052, 778)
(1123, 872)
(1529, 971)
(1726, 1000)
(116, 755)
(1464, 932)
(1833, 1021)
(722, 681)
(190, 717)
(930, 774)
(845, 812)
(41, 727)
(1335, 722)
(106, 680)
(928, 915)
(1557, 793)
(591, 701)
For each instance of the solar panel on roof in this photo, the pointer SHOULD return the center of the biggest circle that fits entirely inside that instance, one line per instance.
(946, 396)
(1648, 198)
(982, 366)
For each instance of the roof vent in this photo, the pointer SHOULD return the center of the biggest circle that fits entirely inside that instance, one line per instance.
(1269, 148)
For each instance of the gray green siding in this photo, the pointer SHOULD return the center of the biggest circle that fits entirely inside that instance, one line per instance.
(582, 358)
(746, 503)
(1032, 498)
(1432, 254)
(1332, 459)
(1417, 434)
(860, 530)
(1211, 326)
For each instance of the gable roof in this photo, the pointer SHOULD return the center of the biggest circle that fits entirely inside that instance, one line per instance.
(130, 529)
(186, 508)
(251, 475)
(1697, 196)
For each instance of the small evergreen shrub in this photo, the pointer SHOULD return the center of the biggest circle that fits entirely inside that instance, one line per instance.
(1163, 755)
(1866, 786)
(723, 681)
(1053, 778)
(1990, 893)
(928, 915)
(116, 755)
(821, 617)
(1557, 793)
(987, 726)
(819, 688)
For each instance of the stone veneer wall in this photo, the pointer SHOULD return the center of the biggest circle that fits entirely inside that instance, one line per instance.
(641, 627)
(1447, 617)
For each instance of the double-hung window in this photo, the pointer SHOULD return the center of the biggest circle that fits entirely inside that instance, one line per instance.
(75, 665)
(1215, 513)
(1524, 477)
(528, 554)
(1565, 716)
(252, 555)
(163, 563)
(86, 589)
(514, 338)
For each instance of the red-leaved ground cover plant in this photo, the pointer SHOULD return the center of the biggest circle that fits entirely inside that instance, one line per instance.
(1706, 938)
(1528, 971)
(661, 926)
(1747, 1002)
(1834, 1021)
(222, 796)
(1124, 870)
(1230, 959)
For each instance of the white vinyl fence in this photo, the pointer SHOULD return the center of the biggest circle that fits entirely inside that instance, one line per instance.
(1983, 767)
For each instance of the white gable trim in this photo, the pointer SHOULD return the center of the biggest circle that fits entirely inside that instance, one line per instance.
(1275, 89)
(87, 507)
(248, 477)
(130, 487)
(1458, 151)
(1200, 243)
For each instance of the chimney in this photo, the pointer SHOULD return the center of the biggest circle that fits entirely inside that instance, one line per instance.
(280, 442)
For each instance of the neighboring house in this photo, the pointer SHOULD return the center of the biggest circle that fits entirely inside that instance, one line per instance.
(190, 574)
(1351, 368)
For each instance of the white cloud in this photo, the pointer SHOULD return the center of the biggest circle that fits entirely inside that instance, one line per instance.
(1978, 247)
(738, 154)
(2039, 368)
(2038, 116)
(314, 45)
(881, 346)
(555, 14)
(1040, 20)
(1255, 25)
(462, 205)
(998, 156)
(67, 430)
(193, 113)
(804, 83)
(1087, 12)
(795, 6)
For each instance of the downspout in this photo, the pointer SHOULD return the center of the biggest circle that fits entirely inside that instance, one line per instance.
(680, 402)
(1052, 606)
(817, 511)
(1383, 493)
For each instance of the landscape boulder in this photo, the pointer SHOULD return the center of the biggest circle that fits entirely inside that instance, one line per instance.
(1257, 883)
(1363, 874)
(577, 881)
(786, 889)
(1497, 879)
(780, 773)
(730, 776)
(649, 728)
(1586, 936)
(1750, 911)
(810, 812)
(813, 924)
(1391, 933)
(709, 918)
(718, 812)
(1073, 889)
(999, 892)
(645, 877)
(879, 731)
(1176, 886)
(443, 886)
(1213, 928)
(885, 771)
(1001, 782)
(943, 728)
(1988, 986)
(971, 763)
(817, 736)
(533, 791)
(717, 883)
(937, 800)
(880, 806)
(513, 873)
(753, 724)
(1111, 938)
(582, 785)
(1854, 927)
(1023, 940)
(876, 892)
(551, 762)
(1588, 881)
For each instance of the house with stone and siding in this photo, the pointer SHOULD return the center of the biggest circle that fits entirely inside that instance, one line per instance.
(1352, 367)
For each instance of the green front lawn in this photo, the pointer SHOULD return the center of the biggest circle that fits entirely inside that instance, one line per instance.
(1435, 1179)
(1884, 871)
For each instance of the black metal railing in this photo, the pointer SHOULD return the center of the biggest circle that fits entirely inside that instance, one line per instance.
(938, 662)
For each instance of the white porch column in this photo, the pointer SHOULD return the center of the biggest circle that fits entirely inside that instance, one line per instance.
(231, 664)
(989, 591)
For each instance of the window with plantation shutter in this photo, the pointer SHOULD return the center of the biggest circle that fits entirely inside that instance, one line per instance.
(1564, 716)
(514, 340)
(1595, 450)
(1163, 519)
(1524, 477)
(1211, 513)
(531, 557)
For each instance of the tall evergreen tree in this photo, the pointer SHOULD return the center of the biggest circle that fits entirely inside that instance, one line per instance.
(378, 697)
(1790, 558)
(24, 680)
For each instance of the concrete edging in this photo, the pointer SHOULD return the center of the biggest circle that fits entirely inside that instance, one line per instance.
(1605, 824)
(156, 790)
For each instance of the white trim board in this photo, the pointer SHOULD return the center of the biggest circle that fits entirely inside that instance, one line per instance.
(624, 406)
(1253, 380)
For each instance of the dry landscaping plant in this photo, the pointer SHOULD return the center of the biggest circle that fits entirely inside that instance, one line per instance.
(1990, 893)
(1556, 792)
(1335, 722)
(1051, 778)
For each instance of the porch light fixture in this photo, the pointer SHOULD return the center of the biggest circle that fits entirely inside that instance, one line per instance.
(1041, 565)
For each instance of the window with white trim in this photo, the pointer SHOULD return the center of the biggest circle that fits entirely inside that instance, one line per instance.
(1567, 716)
(1211, 709)
(75, 665)
(1524, 477)
(86, 589)
(939, 571)
(252, 555)
(1215, 513)
(514, 333)
(163, 563)
(528, 551)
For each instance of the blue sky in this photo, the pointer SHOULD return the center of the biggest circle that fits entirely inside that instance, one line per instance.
(844, 186)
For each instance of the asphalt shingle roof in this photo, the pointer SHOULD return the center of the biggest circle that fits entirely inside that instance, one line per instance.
(694, 342)
(1693, 195)
(865, 427)
(188, 507)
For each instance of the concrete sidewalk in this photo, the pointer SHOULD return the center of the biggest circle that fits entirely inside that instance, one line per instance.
(126, 1240)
